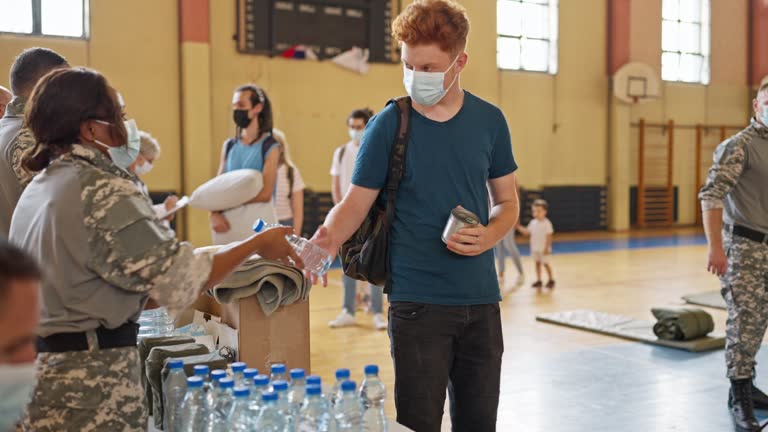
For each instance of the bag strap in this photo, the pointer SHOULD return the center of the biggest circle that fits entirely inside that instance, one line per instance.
(342, 149)
(230, 143)
(268, 143)
(398, 155)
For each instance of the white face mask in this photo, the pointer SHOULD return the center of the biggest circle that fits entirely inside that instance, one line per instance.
(764, 116)
(426, 88)
(356, 135)
(143, 169)
(124, 155)
(16, 385)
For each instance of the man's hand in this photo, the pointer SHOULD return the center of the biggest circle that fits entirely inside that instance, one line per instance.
(170, 203)
(717, 262)
(322, 239)
(471, 241)
(219, 223)
(276, 247)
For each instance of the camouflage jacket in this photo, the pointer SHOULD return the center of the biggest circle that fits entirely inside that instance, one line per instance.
(86, 220)
(16, 142)
(738, 178)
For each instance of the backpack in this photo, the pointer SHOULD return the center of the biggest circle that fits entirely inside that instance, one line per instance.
(365, 256)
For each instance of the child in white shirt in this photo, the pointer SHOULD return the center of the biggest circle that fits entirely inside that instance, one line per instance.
(540, 231)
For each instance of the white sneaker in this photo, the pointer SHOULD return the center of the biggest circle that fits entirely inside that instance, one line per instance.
(345, 319)
(520, 280)
(379, 322)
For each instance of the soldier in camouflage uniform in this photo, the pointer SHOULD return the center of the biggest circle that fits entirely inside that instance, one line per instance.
(105, 254)
(16, 141)
(735, 207)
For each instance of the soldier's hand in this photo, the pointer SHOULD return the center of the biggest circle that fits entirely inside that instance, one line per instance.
(717, 262)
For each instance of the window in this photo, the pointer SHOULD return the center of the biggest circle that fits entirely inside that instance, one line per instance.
(67, 18)
(685, 41)
(527, 32)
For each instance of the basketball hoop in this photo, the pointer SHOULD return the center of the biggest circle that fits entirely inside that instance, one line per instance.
(636, 83)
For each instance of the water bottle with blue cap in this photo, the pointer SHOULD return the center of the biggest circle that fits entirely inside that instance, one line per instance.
(315, 414)
(193, 411)
(174, 390)
(316, 260)
(237, 372)
(278, 373)
(348, 411)
(269, 419)
(373, 395)
(259, 386)
(341, 376)
(241, 418)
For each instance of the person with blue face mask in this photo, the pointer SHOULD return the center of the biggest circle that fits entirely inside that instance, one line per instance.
(105, 254)
(20, 279)
(444, 315)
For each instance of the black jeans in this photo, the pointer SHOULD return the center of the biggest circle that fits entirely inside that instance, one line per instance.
(455, 347)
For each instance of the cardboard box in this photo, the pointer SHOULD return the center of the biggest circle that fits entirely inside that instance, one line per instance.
(282, 337)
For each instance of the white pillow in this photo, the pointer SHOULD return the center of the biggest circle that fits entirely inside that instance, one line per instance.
(228, 190)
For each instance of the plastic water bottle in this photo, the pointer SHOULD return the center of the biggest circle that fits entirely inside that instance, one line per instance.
(248, 376)
(259, 386)
(298, 389)
(278, 373)
(315, 414)
(315, 380)
(237, 373)
(341, 376)
(218, 415)
(373, 394)
(241, 418)
(283, 405)
(204, 372)
(270, 419)
(316, 260)
(192, 415)
(349, 411)
(217, 375)
(155, 322)
(174, 389)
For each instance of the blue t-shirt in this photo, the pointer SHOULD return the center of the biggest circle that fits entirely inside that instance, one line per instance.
(243, 156)
(447, 164)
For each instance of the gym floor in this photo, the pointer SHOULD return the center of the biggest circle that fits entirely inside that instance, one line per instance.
(557, 378)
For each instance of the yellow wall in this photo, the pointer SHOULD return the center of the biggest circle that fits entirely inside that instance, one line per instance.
(135, 44)
(559, 124)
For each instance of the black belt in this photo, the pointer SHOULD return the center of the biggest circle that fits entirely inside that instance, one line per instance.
(747, 233)
(123, 336)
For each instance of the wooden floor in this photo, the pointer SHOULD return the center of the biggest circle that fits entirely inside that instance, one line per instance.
(628, 281)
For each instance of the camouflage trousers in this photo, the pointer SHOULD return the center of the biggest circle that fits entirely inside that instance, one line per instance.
(95, 390)
(745, 290)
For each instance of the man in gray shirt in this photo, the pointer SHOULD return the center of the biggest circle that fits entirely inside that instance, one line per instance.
(16, 141)
(734, 202)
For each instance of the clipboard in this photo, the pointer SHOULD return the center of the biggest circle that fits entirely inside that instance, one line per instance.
(183, 202)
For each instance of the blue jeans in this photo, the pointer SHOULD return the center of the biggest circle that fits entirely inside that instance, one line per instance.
(350, 290)
(508, 248)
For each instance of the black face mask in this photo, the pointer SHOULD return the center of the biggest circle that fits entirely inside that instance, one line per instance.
(241, 118)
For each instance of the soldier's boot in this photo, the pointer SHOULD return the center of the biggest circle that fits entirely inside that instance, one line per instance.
(759, 399)
(740, 405)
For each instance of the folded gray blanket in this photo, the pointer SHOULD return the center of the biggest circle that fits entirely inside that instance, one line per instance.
(274, 284)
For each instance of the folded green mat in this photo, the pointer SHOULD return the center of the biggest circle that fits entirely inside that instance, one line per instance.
(145, 346)
(627, 328)
(682, 324)
(154, 368)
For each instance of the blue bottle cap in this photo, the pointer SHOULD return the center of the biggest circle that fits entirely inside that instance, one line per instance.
(314, 380)
(297, 373)
(348, 386)
(260, 380)
(280, 385)
(194, 382)
(371, 370)
(259, 225)
(218, 374)
(175, 364)
(278, 368)
(202, 370)
(314, 390)
(241, 392)
(227, 383)
(238, 367)
(269, 397)
(250, 373)
(342, 373)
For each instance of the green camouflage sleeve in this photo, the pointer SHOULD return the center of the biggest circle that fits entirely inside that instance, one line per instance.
(729, 161)
(21, 146)
(133, 250)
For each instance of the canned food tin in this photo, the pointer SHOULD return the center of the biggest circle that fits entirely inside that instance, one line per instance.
(459, 219)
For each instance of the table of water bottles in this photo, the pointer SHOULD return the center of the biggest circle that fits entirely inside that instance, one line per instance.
(242, 400)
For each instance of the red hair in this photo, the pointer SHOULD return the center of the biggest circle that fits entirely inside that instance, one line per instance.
(441, 22)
